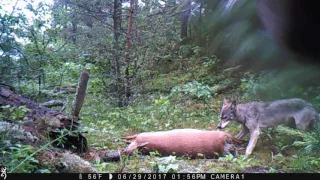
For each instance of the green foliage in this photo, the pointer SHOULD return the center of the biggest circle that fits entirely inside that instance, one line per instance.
(62, 134)
(165, 82)
(211, 61)
(310, 142)
(12, 25)
(68, 74)
(13, 113)
(172, 72)
(194, 89)
(317, 100)
(167, 165)
(272, 170)
(307, 159)
(251, 86)
(268, 86)
(13, 156)
(22, 158)
(305, 163)
(241, 162)
(162, 101)
(186, 50)
(157, 113)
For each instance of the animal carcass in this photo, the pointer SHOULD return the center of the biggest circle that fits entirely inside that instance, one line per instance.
(182, 142)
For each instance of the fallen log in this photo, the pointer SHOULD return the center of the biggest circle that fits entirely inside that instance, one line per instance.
(42, 120)
(192, 143)
(52, 103)
(72, 163)
(65, 89)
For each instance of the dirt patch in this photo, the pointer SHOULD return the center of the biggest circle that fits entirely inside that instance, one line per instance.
(255, 169)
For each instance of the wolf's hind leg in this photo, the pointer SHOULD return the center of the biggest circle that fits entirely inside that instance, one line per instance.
(253, 141)
(243, 132)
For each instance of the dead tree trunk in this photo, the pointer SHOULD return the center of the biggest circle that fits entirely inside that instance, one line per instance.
(81, 93)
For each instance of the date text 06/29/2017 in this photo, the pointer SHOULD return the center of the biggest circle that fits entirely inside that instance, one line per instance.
(176, 176)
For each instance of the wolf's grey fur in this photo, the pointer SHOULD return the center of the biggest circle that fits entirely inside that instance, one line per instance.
(254, 116)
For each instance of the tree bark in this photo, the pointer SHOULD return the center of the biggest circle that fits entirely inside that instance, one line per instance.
(52, 103)
(127, 57)
(74, 32)
(184, 18)
(81, 93)
(116, 64)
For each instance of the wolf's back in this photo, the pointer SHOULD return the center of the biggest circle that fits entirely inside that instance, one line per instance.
(291, 112)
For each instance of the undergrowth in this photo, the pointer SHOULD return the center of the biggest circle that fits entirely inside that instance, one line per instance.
(184, 101)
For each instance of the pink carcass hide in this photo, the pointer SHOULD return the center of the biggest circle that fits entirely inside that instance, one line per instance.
(192, 143)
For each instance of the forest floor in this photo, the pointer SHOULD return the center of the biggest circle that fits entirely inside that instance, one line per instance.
(176, 100)
(274, 152)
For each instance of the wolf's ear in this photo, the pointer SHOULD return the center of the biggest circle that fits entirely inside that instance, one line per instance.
(234, 99)
(233, 102)
(225, 101)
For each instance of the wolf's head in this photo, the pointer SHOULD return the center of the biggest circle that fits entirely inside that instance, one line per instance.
(227, 113)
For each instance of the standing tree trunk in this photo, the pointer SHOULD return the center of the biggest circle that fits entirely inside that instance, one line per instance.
(184, 18)
(81, 93)
(116, 64)
(74, 32)
(169, 5)
(127, 57)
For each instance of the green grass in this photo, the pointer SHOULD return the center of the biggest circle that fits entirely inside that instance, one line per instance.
(157, 111)
(107, 125)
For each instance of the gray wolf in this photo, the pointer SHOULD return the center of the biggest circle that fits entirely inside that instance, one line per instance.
(254, 116)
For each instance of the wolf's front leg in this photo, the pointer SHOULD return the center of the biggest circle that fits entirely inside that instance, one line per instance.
(253, 141)
(243, 132)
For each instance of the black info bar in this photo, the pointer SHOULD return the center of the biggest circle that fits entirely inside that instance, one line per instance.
(160, 176)
(177, 176)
